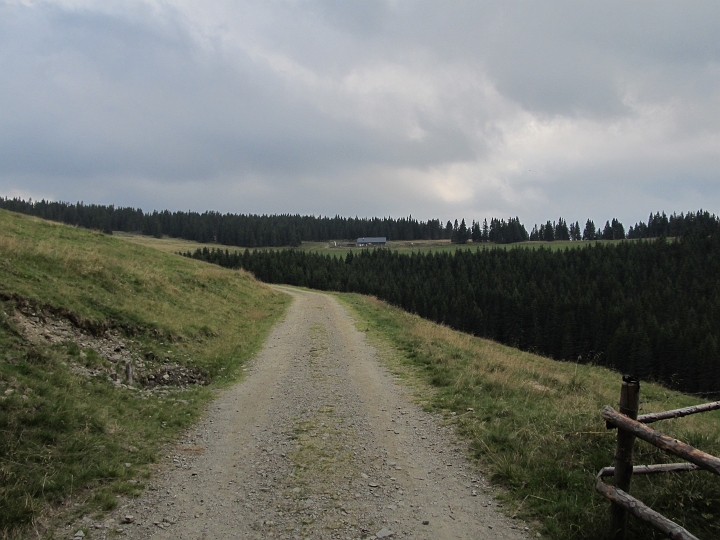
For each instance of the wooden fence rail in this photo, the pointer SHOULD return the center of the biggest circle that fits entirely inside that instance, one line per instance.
(663, 442)
(631, 426)
(678, 413)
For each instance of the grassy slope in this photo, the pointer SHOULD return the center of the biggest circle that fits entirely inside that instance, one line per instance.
(536, 428)
(167, 244)
(62, 434)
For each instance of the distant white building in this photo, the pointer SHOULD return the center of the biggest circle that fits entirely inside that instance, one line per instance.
(371, 241)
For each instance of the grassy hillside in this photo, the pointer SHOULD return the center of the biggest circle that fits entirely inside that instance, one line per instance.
(534, 425)
(166, 244)
(76, 307)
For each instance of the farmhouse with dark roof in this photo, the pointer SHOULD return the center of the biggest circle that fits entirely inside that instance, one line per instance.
(371, 241)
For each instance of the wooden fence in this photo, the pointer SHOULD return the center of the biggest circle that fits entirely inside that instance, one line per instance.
(631, 426)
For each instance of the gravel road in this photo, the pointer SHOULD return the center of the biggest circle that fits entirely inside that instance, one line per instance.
(319, 441)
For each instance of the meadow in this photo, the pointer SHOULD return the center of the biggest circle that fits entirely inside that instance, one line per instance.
(340, 248)
(71, 439)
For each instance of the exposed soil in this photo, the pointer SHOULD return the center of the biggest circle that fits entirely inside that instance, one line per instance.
(319, 441)
(102, 351)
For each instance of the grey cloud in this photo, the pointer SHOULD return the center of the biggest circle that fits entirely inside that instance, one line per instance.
(363, 18)
(556, 58)
(107, 95)
(127, 102)
(568, 57)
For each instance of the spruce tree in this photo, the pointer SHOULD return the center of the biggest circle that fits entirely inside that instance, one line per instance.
(476, 233)
(463, 235)
(607, 233)
(618, 231)
(589, 233)
(455, 230)
(549, 232)
(576, 236)
(561, 230)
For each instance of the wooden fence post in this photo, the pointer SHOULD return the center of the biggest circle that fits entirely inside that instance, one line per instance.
(629, 405)
(129, 372)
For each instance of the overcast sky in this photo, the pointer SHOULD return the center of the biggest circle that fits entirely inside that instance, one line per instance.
(445, 109)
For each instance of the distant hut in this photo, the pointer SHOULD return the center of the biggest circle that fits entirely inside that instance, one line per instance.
(371, 241)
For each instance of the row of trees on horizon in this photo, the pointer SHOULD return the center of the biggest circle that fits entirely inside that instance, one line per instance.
(250, 230)
(501, 232)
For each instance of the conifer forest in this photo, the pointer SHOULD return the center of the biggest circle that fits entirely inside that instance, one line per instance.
(649, 307)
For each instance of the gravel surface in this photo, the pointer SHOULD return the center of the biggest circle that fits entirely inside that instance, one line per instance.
(317, 442)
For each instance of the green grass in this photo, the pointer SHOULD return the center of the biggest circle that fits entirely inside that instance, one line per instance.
(338, 248)
(166, 244)
(536, 429)
(71, 444)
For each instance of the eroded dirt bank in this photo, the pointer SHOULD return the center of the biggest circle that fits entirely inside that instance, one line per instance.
(319, 442)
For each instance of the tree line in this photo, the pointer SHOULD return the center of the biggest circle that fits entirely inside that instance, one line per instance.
(658, 225)
(649, 308)
(251, 230)
(246, 230)
(498, 232)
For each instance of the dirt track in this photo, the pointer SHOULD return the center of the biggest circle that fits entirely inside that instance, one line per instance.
(318, 442)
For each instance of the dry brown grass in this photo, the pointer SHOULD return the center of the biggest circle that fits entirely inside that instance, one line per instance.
(534, 425)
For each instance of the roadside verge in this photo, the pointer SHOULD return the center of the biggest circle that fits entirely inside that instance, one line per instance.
(533, 424)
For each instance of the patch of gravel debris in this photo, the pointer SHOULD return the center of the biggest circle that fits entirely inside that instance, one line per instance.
(111, 347)
(317, 442)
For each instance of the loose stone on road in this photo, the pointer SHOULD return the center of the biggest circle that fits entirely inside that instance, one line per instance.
(317, 442)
